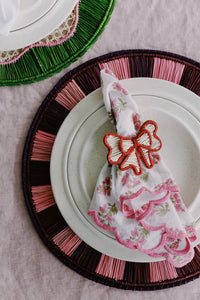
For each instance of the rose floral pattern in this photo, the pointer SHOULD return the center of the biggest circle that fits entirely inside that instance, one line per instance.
(106, 213)
(138, 235)
(118, 105)
(137, 122)
(128, 181)
(146, 211)
(117, 86)
(176, 200)
(105, 187)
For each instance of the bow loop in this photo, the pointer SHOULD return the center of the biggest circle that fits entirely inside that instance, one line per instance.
(128, 152)
(144, 139)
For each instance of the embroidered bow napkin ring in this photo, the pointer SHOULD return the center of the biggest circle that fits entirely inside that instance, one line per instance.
(129, 151)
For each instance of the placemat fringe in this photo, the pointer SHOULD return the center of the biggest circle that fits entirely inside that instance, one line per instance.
(41, 62)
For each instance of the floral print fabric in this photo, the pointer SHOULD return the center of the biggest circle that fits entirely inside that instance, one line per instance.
(146, 211)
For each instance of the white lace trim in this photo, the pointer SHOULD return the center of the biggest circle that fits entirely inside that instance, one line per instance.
(56, 36)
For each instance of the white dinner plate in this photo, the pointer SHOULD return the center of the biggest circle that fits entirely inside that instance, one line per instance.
(36, 19)
(79, 153)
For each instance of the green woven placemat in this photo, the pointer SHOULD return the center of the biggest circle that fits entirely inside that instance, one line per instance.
(42, 62)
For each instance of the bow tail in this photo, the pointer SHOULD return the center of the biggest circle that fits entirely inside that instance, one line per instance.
(132, 161)
(146, 157)
(111, 140)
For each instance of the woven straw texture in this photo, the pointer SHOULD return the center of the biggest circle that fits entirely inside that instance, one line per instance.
(50, 225)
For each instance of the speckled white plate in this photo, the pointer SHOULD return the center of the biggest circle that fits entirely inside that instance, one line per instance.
(36, 19)
(79, 154)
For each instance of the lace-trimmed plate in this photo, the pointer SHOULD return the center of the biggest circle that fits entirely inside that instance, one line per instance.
(41, 62)
(58, 36)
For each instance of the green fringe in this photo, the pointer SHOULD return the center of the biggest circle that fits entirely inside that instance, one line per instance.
(42, 62)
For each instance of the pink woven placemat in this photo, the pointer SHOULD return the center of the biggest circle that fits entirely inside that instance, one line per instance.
(50, 225)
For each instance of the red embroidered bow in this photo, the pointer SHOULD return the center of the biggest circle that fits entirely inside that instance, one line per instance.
(127, 152)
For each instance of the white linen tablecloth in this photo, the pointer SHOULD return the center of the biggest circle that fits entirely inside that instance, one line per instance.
(28, 270)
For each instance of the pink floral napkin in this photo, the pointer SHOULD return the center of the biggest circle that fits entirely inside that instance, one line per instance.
(144, 211)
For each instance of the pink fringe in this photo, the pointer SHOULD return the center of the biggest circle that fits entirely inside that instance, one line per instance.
(54, 43)
(198, 247)
(70, 95)
(42, 197)
(42, 146)
(167, 70)
(120, 67)
(161, 271)
(111, 267)
(67, 241)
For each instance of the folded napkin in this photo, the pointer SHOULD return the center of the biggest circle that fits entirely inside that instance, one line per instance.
(136, 195)
(8, 13)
